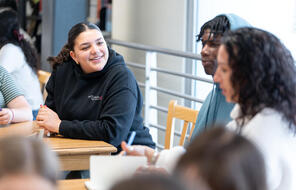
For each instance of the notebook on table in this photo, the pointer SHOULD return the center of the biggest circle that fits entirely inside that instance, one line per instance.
(107, 170)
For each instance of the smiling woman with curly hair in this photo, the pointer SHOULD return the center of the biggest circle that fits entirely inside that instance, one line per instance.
(256, 71)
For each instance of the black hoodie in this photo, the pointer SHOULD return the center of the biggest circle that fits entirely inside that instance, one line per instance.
(104, 105)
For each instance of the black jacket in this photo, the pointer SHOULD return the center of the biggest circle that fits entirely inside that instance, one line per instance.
(104, 105)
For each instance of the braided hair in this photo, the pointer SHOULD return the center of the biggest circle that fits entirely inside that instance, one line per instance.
(218, 26)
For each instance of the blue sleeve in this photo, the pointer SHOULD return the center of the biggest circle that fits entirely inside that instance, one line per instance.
(215, 110)
(203, 115)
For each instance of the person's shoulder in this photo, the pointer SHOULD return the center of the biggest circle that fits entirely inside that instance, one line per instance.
(267, 115)
(11, 47)
(268, 123)
(61, 70)
(271, 118)
(118, 69)
(121, 69)
(123, 73)
(65, 66)
(117, 64)
(122, 77)
(12, 57)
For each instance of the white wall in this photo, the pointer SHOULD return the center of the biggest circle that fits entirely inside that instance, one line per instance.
(152, 22)
(162, 23)
(277, 17)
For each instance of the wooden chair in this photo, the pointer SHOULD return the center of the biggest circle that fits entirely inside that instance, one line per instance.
(183, 113)
(43, 77)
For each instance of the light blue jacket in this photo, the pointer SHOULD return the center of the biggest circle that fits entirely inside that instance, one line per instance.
(215, 110)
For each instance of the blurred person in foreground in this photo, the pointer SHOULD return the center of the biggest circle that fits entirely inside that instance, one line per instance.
(220, 159)
(27, 164)
(149, 182)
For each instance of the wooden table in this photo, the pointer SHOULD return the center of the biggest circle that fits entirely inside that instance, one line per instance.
(72, 184)
(74, 154)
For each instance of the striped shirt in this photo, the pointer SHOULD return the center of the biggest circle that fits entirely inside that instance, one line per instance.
(8, 88)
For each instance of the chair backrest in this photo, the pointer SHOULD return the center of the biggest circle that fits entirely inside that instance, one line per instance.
(182, 113)
(43, 77)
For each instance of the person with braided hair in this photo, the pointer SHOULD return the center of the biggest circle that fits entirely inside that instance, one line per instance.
(215, 109)
(19, 58)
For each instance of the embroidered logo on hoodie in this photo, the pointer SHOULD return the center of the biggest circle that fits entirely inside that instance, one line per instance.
(95, 98)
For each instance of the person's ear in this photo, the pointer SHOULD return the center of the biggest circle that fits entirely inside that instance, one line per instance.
(73, 55)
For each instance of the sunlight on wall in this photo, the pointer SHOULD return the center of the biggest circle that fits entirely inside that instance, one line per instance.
(277, 17)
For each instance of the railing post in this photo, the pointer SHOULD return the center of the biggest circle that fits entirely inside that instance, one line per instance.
(150, 95)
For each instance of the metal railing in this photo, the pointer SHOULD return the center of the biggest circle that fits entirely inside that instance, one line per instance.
(150, 79)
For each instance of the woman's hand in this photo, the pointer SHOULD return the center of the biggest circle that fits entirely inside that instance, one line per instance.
(137, 150)
(48, 119)
(5, 116)
(151, 170)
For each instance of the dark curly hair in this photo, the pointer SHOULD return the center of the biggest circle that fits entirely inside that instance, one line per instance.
(263, 73)
(10, 33)
(74, 32)
(218, 26)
